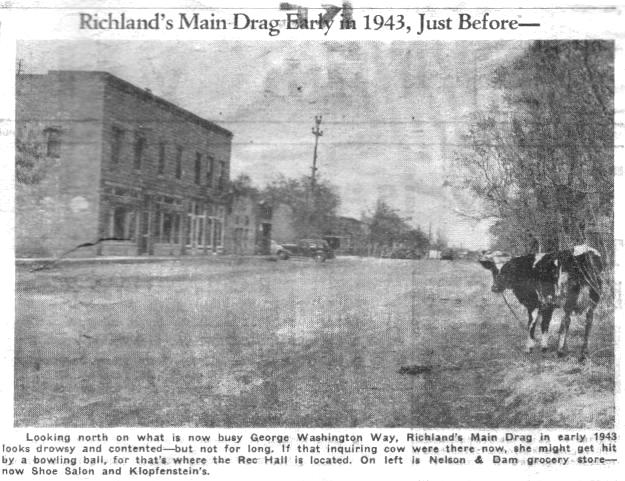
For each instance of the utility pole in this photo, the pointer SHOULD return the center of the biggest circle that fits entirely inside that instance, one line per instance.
(20, 65)
(317, 133)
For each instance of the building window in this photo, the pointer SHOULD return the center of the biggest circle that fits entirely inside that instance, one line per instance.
(123, 223)
(218, 232)
(199, 230)
(222, 175)
(53, 143)
(166, 225)
(116, 144)
(139, 150)
(176, 231)
(209, 232)
(189, 231)
(198, 168)
(179, 163)
(209, 171)
(161, 158)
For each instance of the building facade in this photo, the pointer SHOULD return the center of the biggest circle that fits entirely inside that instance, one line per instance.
(242, 225)
(104, 162)
(283, 228)
(348, 236)
(249, 224)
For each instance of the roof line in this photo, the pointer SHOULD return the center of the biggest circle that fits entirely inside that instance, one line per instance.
(124, 84)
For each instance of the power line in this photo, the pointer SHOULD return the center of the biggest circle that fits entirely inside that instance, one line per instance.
(219, 121)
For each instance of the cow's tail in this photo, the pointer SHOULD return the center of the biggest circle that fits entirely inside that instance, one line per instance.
(591, 270)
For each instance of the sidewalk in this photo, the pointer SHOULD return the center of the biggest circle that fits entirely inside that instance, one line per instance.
(37, 261)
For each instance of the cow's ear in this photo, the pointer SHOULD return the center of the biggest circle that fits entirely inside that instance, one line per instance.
(487, 264)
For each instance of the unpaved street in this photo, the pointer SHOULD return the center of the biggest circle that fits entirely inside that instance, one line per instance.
(258, 343)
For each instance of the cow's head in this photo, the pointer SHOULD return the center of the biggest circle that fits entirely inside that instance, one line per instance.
(496, 262)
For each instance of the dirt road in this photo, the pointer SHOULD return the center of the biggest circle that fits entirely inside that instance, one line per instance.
(257, 343)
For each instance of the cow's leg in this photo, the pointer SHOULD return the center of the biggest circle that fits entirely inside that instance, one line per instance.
(531, 327)
(564, 332)
(547, 312)
(589, 319)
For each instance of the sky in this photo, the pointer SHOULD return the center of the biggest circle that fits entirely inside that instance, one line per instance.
(394, 114)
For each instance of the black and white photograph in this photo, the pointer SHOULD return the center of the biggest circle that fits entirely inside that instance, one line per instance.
(314, 234)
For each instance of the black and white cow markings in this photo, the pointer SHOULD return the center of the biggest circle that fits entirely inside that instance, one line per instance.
(570, 279)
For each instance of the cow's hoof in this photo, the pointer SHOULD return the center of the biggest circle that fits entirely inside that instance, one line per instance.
(528, 350)
(544, 349)
(561, 354)
(582, 359)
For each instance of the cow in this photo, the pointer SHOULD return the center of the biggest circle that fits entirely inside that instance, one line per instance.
(578, 290)
(545, 281)
(519, 275)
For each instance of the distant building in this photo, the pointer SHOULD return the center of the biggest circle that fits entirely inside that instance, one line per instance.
(242, 225)
(249, 225)
(101, 158)
(283, 229)
(264, 226)
(348, 236)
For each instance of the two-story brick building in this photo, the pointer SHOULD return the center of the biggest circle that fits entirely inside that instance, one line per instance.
(109, 160)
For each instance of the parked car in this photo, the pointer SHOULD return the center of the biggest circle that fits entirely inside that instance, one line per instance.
(318, 249)
(447, 255)
(279, 251)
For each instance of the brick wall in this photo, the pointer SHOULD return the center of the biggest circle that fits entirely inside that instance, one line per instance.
(59, 210)
(168, 133)
(137, 112)
(95, 176)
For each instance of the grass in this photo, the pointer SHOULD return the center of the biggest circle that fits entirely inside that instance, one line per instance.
(256, 343)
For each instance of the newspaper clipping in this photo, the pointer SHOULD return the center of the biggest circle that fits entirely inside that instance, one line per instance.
(311, 240)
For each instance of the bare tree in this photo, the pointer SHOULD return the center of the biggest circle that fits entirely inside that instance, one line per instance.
(544, 164)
